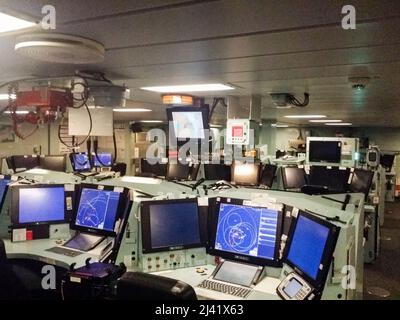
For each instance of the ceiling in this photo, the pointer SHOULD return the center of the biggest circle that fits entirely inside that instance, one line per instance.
(257, 46)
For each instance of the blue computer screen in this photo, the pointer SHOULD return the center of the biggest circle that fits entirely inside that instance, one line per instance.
(174, 224)
(41, 205)
(105, 160)
(97, 209)
(81, 162)
(3, 185)
(307, 246)
(247, 230)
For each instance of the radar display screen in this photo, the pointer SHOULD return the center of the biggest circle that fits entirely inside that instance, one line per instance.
(97, 209)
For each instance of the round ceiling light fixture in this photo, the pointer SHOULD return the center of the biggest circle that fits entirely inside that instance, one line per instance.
(60, 48)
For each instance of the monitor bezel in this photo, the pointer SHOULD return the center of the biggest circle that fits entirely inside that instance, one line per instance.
(5, 177)
(205, 115)
(146, 227)
(44, 157)
(263, 171)
(233, 168)
(94, 156)
(72, 158)
(312, 144)
(123, 198)
(168, 173)
(284, 178)
(327, 256)
(214, 216)
(14, 209)
(370, 179)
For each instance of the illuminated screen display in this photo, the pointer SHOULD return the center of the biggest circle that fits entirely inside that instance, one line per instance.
(102, 160)
(81, 162)
(188, 125)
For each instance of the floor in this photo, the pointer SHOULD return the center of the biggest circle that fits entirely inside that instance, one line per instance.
(384, 273)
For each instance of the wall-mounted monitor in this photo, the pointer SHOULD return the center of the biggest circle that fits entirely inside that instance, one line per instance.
(188, 122)
(324, 151)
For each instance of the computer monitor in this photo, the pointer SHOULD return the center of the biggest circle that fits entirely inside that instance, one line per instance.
(293, 178)
(334, 178)
(98, 208)
(217, 171)
(268, 175)
(361, 181)
(4, 182)
(158, 169)
(80, 162)
(178, 171)
(325, 151)
(54, 163)
(102, 160)
(24, 162)
(38, 204)
(246, 233)
(386, 160)
(309, 247)
(246, 174)
(171, 225)
(188, 122)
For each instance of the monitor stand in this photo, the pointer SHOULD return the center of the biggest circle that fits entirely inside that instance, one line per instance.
(84, 241)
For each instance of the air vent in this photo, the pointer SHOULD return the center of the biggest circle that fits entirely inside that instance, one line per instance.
(60, 48)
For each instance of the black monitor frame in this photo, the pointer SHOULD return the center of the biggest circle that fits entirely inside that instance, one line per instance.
(315, 145)
(369, 182)
(5, 177)
(213, 226)
(331, 174)
(32, 160)
(180, 166)
(205, 115)
(217, 171)
(264, 169)
(43, 158)
(284, 178)
(123, 200)
(146, 227)
(72, 158)
(15, 205)
(327, 256)
(233, 168)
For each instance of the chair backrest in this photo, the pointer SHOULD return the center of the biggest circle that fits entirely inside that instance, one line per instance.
(144, 286)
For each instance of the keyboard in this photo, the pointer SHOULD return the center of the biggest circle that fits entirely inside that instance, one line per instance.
(64, 251)
(233, 290)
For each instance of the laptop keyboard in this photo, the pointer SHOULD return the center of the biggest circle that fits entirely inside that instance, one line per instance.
(225, 288)
(64, 251)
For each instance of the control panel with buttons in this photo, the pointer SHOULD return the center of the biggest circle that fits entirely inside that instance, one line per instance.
(171, 260)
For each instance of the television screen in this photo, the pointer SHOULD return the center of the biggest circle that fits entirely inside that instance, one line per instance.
(188, 125)
(325, 151)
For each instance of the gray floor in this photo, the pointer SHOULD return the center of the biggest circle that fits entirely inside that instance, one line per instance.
(385, 271)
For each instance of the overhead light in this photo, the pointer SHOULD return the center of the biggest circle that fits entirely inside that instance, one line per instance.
(18, 112)
(177, 99)
(305, 116)
(277, 125)
(10, 23)
(131, 110)
(216, 126)
(189, 88)
(339, 124)
(325, 121)
(151, 121)
(5, 96)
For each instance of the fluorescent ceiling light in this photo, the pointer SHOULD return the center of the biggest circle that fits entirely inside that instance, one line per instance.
(18, 112)
(4, 96)
(10, 23)
(276, 125)
(325, 121)
(131, 110)
(216, 126)
(189, 88)
(339, 124)
(151, 121)
(305, 116)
